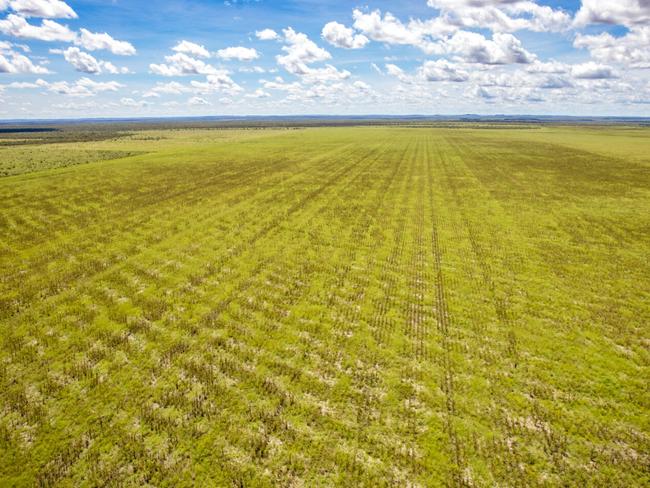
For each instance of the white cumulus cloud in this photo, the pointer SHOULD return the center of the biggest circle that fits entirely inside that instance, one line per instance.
(197, 101)
(632, 49)
(397, 72)
(341, 36)
(171, 88)
(192, 49)
(390, 30)
(502, 15)
(51, 9)
(547, 67)
(15, 63)
(238, 52)
(130, 102)
(49, 30)
(220, 81)
(593, 71)
(259, 93)
(94, 41)
(300, 50)
(180, 64)
(85, 87)
(624, 12)
(442, 70)
(503, 48)
(86, 63)
(267, 35)
(17, 26)
(82, 61)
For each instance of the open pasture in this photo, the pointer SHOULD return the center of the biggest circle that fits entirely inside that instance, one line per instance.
(367, 306)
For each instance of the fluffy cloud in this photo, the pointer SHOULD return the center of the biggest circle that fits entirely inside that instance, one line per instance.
(171, 88)
(87, 63)
(251, 69)
(341, 36)
(499, 79)
(331, 94)
(76, 106)
(130, 102)
(593, 71)
(198, 101)
(51, 9)
(279, 84)
(97, 86)
(386, 29)
(472, 47)
(555, 82)
(322, 75)
(180, 64)
(82, 61)
(15, 63)
(94, 41)
(192, 49)
(300, 51)
(390, 30)
(482, 92)
(215, 81)
(362, 86)
(502, 15)
(540, 82)
(112, 69)
(442, 70)
(259, 93)
(632, 49)
(20, 85)
(624, 12)
(267, 35)
(548, 67)
(520, 94)
(49, 30)
(220, 81)
(427, 35)
(397, 72)
(85, 87)
(238, 52)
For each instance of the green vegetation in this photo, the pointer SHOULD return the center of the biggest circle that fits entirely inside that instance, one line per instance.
(370, 306)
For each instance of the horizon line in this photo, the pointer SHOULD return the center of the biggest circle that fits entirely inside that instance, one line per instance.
(438, 117)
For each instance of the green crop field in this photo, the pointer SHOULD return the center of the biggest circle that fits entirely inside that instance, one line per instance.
(336, 306)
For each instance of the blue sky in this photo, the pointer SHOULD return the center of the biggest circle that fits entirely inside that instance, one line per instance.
(95, 58)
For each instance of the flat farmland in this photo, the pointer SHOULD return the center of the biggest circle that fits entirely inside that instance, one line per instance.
(351, 306)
